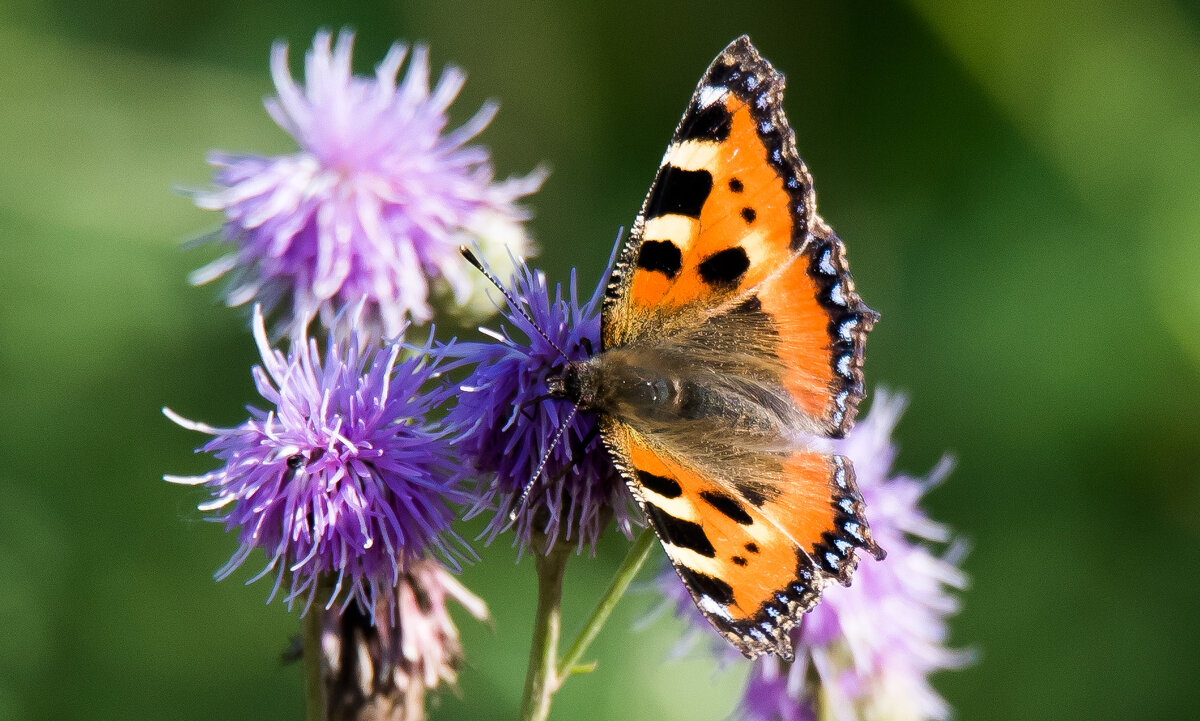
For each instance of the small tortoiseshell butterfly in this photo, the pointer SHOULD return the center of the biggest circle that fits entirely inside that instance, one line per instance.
(732, 345)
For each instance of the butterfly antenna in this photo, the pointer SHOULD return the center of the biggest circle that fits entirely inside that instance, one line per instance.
(512, 301)
(520, 502)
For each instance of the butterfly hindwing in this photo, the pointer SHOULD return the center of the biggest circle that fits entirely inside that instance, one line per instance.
(753, 556)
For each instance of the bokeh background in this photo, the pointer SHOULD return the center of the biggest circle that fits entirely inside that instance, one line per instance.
(1018, 184)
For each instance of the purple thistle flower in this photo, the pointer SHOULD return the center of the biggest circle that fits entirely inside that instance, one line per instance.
(375, 203)
(767, 696)
(342, 477)
(505, 422)
(383, 670)
(867, 650)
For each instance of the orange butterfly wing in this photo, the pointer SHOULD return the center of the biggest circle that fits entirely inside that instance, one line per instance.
(730, 223)
(752, 565)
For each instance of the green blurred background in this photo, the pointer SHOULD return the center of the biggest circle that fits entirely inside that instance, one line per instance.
(1019, 187)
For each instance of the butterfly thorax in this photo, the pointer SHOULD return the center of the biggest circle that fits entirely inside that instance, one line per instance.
(648, 386)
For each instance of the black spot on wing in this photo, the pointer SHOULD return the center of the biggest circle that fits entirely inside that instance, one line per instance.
(725, 267)
(752, 547)
(678, 532)
(749, 215)
(736, 185)
(756, 493)
(706, 585)
(739, 560)
(712, 123)
(663, 486)
(727, 505)
(678, 192)
(750, 306)
(660, 255)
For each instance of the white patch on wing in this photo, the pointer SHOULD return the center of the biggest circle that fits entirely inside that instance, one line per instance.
(755, 246)
(679, 229)
(702, 564)
(693, 154)
(710, 94)
(681, 507)
(712, 607)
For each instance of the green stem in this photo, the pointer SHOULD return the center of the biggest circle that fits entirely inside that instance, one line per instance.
(542, 680)
(316, 671)
(314, 664)
(633, 562)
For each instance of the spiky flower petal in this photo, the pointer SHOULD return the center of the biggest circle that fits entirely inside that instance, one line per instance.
(343, 476)
(374, 204)
(507, 423)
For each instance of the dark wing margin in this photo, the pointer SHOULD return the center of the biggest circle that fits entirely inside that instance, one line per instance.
(850, 320)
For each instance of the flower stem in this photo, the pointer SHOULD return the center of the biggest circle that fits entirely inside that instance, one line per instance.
(546, 674)
(316, 704)
(314, 678)
(629, 568)
(542, 680)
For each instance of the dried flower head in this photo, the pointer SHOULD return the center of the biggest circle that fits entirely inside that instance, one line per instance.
(342, 476)
(867, 650)
(374, 204)
(383, 670)
(506, 423)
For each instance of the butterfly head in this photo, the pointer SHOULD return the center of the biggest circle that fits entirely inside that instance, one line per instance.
(576, 384)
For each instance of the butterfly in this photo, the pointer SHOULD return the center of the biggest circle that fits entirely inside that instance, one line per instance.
(731, 353)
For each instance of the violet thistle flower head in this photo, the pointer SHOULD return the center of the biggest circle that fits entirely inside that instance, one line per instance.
(505, 422)
(375, 203)
(341, 477)
(383, 670)
(866, 651)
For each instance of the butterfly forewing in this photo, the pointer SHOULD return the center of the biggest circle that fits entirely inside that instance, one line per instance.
(730, 202)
